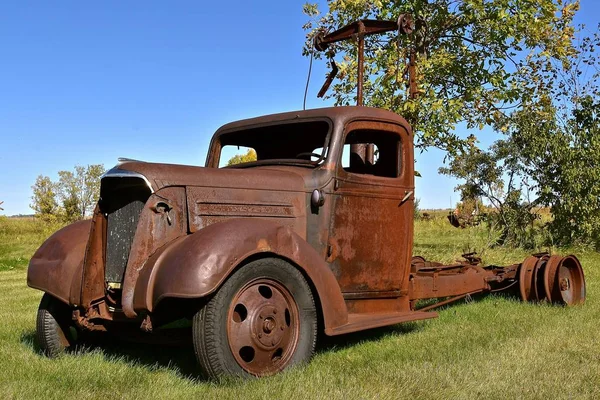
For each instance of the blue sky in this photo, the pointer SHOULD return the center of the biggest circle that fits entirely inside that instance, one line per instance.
(85, 83)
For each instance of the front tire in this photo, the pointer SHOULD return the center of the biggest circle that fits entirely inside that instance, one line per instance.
(261, 321)
(54, 329)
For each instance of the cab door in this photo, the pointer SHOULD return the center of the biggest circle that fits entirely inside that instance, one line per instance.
(371, 231)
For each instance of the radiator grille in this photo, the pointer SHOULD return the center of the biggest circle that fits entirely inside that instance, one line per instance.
(122, 224)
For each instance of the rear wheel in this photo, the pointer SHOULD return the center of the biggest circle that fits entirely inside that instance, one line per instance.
(54, 329)
(261, 321)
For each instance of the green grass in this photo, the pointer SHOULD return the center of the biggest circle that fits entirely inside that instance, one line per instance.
(496, 347)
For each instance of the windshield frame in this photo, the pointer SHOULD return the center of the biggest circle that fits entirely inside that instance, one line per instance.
(216, 147)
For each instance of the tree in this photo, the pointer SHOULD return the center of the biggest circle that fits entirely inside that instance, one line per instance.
(79, 190)
(242, 158)
(469, 55)
(558, 132)
(44, 199)
(484, 176)
(550, 155)
(70, 199)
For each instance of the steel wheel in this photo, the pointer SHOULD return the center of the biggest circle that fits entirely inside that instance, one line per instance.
(565, 282)
(263, 327)
(261, 321)
(526, 272)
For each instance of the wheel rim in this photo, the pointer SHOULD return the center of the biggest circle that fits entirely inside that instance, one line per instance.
(570, 281)
(526, 278)
(553, 294)
(263, 327)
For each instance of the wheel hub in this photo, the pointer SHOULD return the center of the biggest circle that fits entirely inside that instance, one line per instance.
(269, 327)
(263, 327)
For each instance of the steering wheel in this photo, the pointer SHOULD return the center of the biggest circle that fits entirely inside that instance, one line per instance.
(308, 154)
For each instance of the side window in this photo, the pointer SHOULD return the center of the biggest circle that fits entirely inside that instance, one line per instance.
(385, 148)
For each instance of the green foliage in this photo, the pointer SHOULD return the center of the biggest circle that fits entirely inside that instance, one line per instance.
(469, 55)
(70, 199)
(249, 156)
(44, 198)
(79, 190)
(417, 210)
(483, 176)
(550, 155)
(562, 159)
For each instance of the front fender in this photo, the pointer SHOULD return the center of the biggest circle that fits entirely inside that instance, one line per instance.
(56, 267)
(196, 265)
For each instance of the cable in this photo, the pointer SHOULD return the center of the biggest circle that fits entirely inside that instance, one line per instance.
(308, 79)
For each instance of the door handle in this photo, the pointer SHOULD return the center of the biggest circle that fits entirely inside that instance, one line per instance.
(406, 196)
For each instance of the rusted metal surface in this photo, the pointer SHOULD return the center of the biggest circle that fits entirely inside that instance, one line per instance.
(330, 77)
(361, 60)
(554, 279)
(404, 25)
(200, 224)
(196, 265)
(207, 207)
(357, 229)
(540, 278)
(56, 267)
(263, 327)
(370, 320)
(347, 228)
(162, 220)
(92, 283)
(358, 30)
(526, 272)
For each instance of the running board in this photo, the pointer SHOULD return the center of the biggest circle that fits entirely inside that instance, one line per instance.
(359, 322)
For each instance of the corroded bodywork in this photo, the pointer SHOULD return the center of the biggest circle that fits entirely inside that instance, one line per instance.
(316, 234)
(164, 238)
(198, 224)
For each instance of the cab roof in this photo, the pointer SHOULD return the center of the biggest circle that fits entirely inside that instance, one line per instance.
(338, 115)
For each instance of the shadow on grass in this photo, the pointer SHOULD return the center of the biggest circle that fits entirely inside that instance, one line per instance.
(336, 343)
(150, 354)
(332, 344)
(179, 355)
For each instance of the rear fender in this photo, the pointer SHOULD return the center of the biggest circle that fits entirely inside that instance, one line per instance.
(56, 267)
(196, 265)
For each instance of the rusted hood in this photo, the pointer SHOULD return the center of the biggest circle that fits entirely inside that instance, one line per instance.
(163, 175)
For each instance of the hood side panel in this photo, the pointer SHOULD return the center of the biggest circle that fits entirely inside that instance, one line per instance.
(207, 206)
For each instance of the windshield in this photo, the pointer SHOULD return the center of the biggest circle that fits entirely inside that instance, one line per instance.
(300, 143)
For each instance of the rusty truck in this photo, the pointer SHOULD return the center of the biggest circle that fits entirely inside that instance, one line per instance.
(265, 255)
(312, 238)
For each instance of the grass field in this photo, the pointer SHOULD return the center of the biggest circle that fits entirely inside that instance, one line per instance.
(496, 347)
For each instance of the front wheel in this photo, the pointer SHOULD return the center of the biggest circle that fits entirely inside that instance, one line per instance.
(261, 321)
(54, 329)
